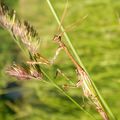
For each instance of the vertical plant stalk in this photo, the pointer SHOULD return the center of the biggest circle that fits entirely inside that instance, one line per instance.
(98, 101)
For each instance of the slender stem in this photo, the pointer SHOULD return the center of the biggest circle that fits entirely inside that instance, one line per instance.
(67, 95)
(79, 61)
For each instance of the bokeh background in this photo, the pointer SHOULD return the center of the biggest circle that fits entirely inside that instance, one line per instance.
(97, 42)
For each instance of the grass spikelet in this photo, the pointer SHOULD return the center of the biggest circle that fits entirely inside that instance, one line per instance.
(23, 73)
(21, 31)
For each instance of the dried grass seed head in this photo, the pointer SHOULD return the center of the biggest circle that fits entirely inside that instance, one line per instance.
(21, 31)
(23, 73)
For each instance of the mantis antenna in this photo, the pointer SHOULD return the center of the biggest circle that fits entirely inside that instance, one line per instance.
(63, 16)
(73, 25)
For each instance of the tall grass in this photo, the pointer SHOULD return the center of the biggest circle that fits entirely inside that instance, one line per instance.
(107, 111)
(28, 40)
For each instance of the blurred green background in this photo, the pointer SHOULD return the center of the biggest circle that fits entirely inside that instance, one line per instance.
(97, 42)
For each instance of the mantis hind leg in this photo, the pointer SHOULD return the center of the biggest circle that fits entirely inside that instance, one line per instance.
(70, 84)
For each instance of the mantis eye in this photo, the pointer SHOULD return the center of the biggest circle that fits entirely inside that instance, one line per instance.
(57, 38)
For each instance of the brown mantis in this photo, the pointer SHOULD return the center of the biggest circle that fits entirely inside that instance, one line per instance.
(83, 79)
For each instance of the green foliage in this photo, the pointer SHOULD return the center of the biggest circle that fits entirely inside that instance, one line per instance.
(97, 43)
(11, 3)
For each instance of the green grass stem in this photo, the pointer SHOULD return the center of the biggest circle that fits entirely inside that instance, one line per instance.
(79, 61)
